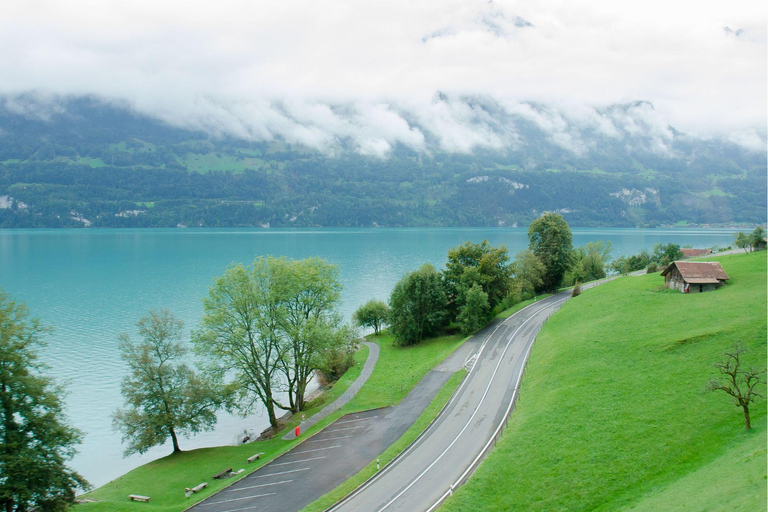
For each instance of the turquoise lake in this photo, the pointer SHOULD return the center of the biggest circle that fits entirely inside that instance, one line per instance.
(90, 285)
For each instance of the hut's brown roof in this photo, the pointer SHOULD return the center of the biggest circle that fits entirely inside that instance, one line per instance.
(695, 253)
(698, 270)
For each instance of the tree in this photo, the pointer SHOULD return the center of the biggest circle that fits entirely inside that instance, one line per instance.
(742, 241)
(736, 381)
(550, 239)
(35, 441)
(164, 396)
(589, 262)
(307, 293)
(474, 312)
(528, 272)
(240, 335)
(373, 313)
(481, 263)
(417, 305)
(757, 237)
(664, 255)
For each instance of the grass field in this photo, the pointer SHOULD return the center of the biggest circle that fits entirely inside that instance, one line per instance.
(164, 480)
(613, 414)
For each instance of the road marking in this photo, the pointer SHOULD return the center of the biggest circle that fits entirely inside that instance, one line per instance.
(238, 499)
(345, 428)
(423, 435)
(469, 421)
(318, 449)
(295, 461)
(257, 486)
(282, 472)
(359, 419)
(327, 439)
(249, 508)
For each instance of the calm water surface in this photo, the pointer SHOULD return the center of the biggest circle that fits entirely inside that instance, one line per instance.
(91, 285)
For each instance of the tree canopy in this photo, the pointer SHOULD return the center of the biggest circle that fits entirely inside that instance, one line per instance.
(417, 305)
(35, 441)
(165, 397)
(550, 239)
(373, 314)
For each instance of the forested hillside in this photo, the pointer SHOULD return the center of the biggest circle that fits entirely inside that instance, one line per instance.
(85, 162)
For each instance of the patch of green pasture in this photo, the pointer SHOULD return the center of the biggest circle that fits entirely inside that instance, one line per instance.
(429, 414)
(613, 410)
(165, 479)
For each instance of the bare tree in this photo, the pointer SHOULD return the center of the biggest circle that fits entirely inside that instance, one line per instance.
(738, 382)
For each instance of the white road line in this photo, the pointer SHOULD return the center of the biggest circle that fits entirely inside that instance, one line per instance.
(249, 508)
(257, 486)
(469, 421)
(318, 449)
(455, 396)
(295, 461)
(282, 472)
(238, 499)
(345, 428)
(327, 439)
(359, 419)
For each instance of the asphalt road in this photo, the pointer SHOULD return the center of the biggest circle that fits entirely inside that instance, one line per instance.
(450, 449)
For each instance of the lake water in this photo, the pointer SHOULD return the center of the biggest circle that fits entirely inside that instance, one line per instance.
(91, 285)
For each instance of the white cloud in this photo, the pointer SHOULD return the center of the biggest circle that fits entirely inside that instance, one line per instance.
(261, 69)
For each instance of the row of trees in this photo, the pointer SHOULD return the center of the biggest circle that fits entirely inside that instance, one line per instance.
(479, 278)
(752, 241)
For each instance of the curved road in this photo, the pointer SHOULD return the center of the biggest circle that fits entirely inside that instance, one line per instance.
(450, 449)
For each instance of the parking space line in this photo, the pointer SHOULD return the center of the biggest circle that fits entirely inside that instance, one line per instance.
(257, 486)
(282, 472)
(208, 504)
(328, 439)
(296, 461)
(358, 419)
(249, 508)
(318, 449)
(345, 428)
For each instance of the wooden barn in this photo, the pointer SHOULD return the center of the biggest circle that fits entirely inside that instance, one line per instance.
(695, 253)
(694, 276)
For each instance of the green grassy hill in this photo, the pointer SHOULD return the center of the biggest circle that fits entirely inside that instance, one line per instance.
(613, 412)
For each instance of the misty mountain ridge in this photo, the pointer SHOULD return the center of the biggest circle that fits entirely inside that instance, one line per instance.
(458, 161)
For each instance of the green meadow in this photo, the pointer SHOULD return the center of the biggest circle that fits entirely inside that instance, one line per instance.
(613, 412)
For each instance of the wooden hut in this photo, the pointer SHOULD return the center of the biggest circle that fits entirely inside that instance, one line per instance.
(694, 276)
(695, 253)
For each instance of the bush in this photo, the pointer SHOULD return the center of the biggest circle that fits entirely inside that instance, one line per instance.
(576, 290)
(651, 268)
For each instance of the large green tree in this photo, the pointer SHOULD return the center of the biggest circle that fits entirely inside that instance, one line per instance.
(528, 272)
(589, 262)
(164, 396)
(481, 264)
(474, 313)
(417, 305)
(35, 441)
(551, 241)
(269, 325)
(373, 313)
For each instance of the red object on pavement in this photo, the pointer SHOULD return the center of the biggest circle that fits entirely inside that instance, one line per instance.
(297, 431)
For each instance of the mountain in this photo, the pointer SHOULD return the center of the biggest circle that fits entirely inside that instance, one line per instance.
(468, 161)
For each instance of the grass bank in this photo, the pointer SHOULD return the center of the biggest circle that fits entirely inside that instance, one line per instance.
(613, 414)
(398, 369)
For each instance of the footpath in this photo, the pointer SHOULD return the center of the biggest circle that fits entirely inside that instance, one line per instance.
(370, 364)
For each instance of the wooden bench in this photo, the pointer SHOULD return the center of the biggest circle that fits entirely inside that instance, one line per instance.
(255, 457)
(188, 492)
(224, 474)
(139, 497)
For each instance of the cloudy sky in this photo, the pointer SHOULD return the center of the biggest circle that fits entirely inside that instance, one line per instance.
(266, 67)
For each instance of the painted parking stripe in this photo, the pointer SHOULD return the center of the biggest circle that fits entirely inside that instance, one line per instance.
(208, 504)
(345, 428)
(282, 473)
(318, 449)
(359, 419)
(249, 508)
(255, 487)
(296, 461)
(327, 439)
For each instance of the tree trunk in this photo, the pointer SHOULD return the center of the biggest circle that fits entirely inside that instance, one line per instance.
(271, 413)
(746, 417)
(175, 440)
